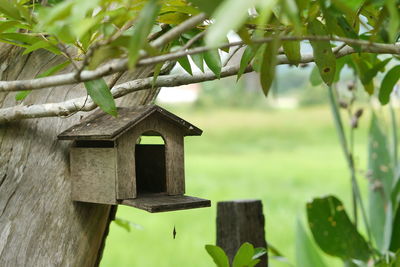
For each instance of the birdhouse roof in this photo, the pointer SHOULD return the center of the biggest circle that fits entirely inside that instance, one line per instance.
(106, 127)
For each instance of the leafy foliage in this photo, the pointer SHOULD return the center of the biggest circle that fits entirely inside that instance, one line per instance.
(102, 30)
(246, 256)
(333, 231)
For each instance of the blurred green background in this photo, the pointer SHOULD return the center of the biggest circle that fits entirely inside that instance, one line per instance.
(250, 149)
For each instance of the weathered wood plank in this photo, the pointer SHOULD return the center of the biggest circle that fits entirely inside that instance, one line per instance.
(175, 165)
(161, 202)
(93, 174)
(126, 171)
(240, 221)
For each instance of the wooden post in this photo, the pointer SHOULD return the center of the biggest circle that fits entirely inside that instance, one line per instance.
(240, 221)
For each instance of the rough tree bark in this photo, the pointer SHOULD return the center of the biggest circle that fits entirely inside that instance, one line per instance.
(39, 224)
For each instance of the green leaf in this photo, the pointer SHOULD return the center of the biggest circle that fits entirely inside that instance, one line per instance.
(388, 83)
(339, 66)
(225, 49)
(333, 231)
(6, 25)
(54, 69)
(101, 95)
(126, 224)
(315, 77)
(83, 26)
(206, 6)
(173, 18)
(244, 34)
(363, 63)
(223, 23)
(180, 7)
(22, 95)
(253, 263)
(290, 9)
(259, 252)
(20, 38)
(198, 60)
(244, 255)
(395, 237)
(9, 9)
(213, 61)
(306, 251)
(348, 31)
(258, 58)
(42, 44)
(323, 55)
(354, 5)
(82, 9)
(396, 260)
(142, 29)
(103, 54)
(292, 51)
(247, 56)
(49, 15)
(372, 72)
(185, 64)
(123, 223)
(380, 174)
(394, 19)
(268, 64)
(218, 255)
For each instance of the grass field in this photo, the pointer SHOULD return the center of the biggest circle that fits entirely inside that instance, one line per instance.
(282, 157)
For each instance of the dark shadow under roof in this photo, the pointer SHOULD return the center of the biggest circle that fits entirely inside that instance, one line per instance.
(106, 127)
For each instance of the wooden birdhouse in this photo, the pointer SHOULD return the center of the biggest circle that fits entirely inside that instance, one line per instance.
(108, 165)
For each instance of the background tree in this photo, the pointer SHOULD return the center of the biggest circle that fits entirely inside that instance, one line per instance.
(63, 58)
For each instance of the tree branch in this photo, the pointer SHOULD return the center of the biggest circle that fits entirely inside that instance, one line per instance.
(73, 105)
(121, 64)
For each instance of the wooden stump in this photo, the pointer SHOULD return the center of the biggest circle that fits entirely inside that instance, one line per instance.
(240, 221)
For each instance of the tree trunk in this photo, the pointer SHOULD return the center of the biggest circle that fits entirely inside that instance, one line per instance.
(39, 224)
(240, 221)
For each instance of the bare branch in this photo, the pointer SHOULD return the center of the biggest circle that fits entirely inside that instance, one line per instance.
(73, 105)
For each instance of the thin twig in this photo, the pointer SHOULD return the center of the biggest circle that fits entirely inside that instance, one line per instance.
(178, 30)
(231, 54)
(193, 40)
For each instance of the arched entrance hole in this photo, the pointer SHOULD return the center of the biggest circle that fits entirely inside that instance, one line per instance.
(150, 164)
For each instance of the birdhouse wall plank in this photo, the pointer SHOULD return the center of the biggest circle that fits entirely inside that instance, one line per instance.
(126, 172)
(175, 164)
(93, 174)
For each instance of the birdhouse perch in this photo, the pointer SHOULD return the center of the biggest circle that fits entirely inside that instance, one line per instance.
(108, 166)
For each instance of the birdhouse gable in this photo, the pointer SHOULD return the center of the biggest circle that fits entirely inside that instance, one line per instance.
(106, 127)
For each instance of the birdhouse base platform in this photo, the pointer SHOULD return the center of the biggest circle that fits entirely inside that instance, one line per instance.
(162, 202)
